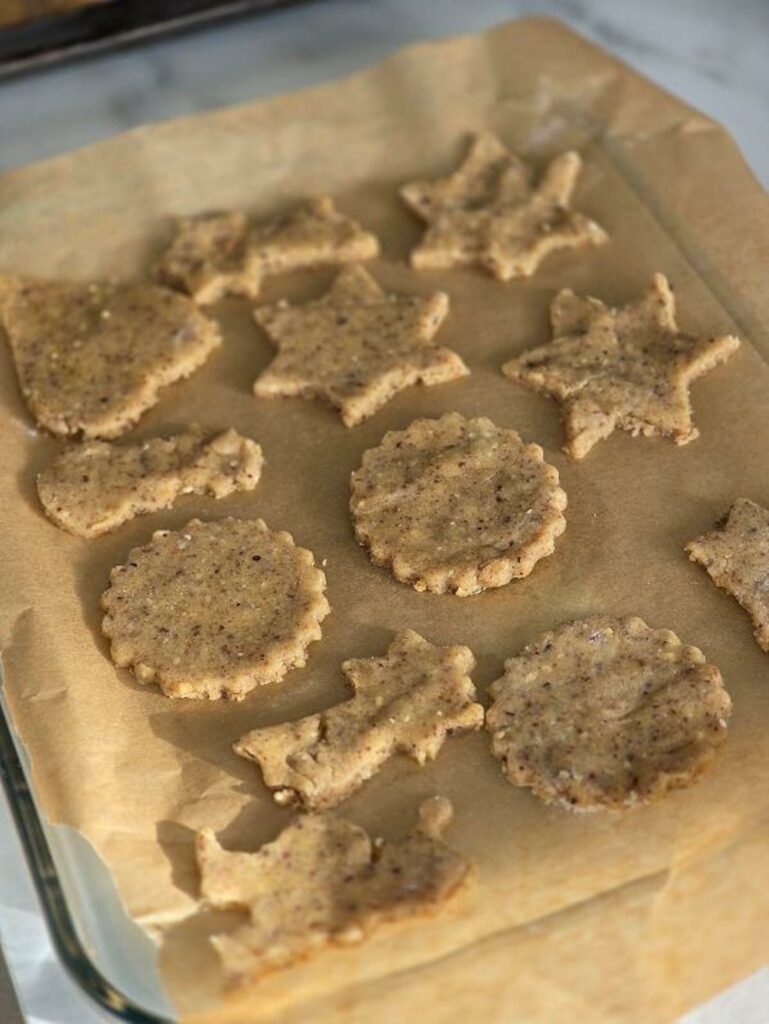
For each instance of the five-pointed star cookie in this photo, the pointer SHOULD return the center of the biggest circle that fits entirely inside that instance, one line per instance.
(357, 346)
(410, 701)
(489, 213)
(219, 254)
(736, 556)
(629, 367)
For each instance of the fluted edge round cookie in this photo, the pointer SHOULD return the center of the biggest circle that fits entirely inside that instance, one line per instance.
(215, 609)
(456, 505)
(607, 713)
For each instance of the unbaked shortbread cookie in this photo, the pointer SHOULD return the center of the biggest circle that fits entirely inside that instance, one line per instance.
(736, 556)
(215, 609)
(410, 700)
(629, 368)
(607, 713)
(91, 358)
(456, 505)
(218, 254)
(356, 347)
(324, 881)
(488, 213)
(96, 486)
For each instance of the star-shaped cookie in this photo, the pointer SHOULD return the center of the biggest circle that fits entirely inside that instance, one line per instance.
(219, 254)
(490, 214)
(357, 346)
(629, 367)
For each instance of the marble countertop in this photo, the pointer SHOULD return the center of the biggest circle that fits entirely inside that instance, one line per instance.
(711, 53)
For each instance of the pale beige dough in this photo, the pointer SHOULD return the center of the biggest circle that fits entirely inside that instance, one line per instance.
(607, 713)
(489, 213)
(215, 609)
(324, 881)
(96, 486)
(356, 347)
(91, 358)
(217, 254)
(410, 700)
(736, 556)
(456, 506)
(629, 367)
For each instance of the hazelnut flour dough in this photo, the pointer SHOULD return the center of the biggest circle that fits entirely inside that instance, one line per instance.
(736, 556)
(215, 609)
(410, 700)
(629, 368)
(488, 213)
(218, 254)
(323, 880)
(455, 505)
(357, 346)
(91, 358)
(607, 713)
(94, 487)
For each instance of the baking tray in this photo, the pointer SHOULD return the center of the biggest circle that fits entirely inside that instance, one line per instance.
(106, 25)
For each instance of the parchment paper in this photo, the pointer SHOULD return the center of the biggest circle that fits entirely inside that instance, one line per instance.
(620, 918)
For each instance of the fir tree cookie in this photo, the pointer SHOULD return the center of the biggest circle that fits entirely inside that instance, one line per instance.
(324, 881)
(736, 556)
(356, 347)
(408, 701)
(490, 213)
(96, 486)
(607, 713)
(219, 254)
(91, 358)
(628, 368)
(215, 609)
(453, 505)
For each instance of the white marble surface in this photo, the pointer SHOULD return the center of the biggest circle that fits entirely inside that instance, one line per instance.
(711, 53)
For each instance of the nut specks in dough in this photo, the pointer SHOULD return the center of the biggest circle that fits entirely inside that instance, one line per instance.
(488, 213)
(215, 609)
(410, 700)
(322, 881)
(91, 358)
(96, 486)
(217, 254)
(453, 505)
(629, 367)
(736, 556)
(607, 713)
(356, 347)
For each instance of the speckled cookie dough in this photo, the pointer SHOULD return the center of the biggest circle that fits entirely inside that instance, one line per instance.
(607, 713)
(736, 556)
(96, 486)
(488, 213)
(410, 700)
(324, 881)
(629, 367)
(91, 358)
(356, 347)
(456, 506)
(207, 258)
(215, 609)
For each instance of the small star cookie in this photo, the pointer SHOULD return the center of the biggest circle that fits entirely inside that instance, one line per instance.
(357, 346)
(214, 255)
(736, 556)
(607, 713)
(92, 488)
(410, 700)
(324, 881)
(488, 213)
(91, 358)
(629, 367)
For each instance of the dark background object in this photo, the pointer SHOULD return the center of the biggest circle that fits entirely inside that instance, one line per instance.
(40, 41)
